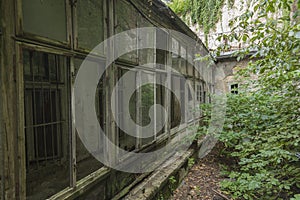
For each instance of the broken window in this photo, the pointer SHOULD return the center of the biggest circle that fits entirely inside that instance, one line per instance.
(46, 123)
(45, 18)
(90, 24)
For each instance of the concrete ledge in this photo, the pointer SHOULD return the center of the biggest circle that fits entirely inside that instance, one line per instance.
(154, 185)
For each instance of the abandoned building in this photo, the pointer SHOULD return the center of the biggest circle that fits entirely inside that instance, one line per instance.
(43, 43)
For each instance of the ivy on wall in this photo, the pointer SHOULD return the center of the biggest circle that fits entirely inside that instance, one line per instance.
(205, 13)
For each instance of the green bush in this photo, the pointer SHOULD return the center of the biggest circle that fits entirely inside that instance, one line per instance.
(261, 138)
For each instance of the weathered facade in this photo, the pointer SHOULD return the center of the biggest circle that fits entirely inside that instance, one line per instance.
(42, 45)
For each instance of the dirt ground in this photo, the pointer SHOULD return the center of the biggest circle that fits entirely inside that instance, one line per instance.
(202, 181)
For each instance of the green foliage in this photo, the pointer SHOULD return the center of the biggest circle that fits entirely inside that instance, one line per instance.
(161, 196)
(172, 183)
(172, 180)
(261, 137)
(262, 127)
(296, 197)
(206, 13)
(191, 162)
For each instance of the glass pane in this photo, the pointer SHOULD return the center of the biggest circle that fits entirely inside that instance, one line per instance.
(90, 23)
(86, 163)
(53, 68)
(190, 99)
(40, 66)
(197, 69)
(203, 95)
(146, 55)
(160, 99)
(147, 100)
(190, 67)
(175, 55)
(45, 18)
(127, 21)
(26, 65)
(161, 45)
(175, 46)
(126, 141)
(46, 124)
(197, 89)
(176, 104)
(183, 60)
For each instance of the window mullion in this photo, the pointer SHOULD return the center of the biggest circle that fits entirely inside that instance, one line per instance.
(72, 134)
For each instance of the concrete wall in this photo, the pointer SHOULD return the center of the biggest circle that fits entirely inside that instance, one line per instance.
(230, 67)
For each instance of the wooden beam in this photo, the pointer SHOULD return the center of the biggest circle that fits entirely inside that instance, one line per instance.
(20, 125)
(9, 104)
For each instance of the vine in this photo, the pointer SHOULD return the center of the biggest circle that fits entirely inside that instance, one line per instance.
(205, 13)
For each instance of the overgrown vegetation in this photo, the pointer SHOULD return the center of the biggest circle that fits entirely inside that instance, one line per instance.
(205, 13)
(261, 137)
(262, 127)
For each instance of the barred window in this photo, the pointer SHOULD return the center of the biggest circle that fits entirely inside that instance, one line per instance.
(45, 89)
(46, 122)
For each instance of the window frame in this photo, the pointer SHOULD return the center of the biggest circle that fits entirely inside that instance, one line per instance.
(234, 88)
(68, 138)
